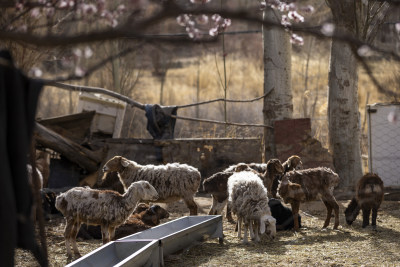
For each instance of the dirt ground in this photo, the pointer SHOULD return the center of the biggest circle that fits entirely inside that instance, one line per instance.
(312, 246)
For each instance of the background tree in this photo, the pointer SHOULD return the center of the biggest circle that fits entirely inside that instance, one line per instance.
(359, 19)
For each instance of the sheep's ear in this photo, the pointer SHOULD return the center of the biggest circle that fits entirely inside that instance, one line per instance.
(124, 162)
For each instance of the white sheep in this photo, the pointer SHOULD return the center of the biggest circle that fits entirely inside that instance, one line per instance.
(249, 201)
(106, 208)
(172, 181)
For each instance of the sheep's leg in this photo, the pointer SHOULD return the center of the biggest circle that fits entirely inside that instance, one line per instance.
(74, 233)
(191, 204)
(366, 213)
(105, 234)
(295, 211)
(213, 207)
(229, 213)
(246, 228)
(251, 230)
(374, 215)
(239, 226)
(111, 231)
(67, 235)
(256, 230)
(330, 203)
(329, 210)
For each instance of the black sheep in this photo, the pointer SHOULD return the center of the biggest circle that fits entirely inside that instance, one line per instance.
(282, 214)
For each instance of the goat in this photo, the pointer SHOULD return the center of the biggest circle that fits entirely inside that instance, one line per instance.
(369, 196)
(306, 185)
(106, 208)
(172, 181)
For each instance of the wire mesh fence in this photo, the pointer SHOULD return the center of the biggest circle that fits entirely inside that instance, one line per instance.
(384, 142)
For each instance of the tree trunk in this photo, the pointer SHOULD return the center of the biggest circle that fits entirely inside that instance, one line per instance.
(343, 115)
(344, 126)
(277, 77)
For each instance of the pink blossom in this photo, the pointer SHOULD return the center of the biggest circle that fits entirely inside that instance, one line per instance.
(79, 71)
(202, 19)
(35, 72)
(296, 39)
(35, 13)
(213, 31)
(328, 29)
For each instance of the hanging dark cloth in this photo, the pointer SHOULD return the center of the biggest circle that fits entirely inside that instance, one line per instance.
(18, 102)
(159, 122)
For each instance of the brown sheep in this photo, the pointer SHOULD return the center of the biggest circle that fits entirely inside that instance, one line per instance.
(292, 163)
(306, 185)
(369, 196)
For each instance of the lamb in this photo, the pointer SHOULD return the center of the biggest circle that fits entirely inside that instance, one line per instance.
(109, 209)
(306, 185)
(369, 196)
(250, 204)
(144, 217)
(216, 184)
(282, 214)
(292, 163)
(172, 181)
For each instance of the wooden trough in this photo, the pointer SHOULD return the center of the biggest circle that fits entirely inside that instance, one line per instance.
(140, 249)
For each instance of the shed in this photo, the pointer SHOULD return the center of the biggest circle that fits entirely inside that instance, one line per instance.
(109, 115)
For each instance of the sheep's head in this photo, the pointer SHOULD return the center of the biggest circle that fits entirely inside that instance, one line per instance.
(268, 226)
(290, 192)
(116, 164)
(274, 167)
(146, 191)
(294, 163)
(352, 211)
(154, 214)
(217, 182)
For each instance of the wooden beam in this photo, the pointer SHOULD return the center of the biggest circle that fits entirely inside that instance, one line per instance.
(85, 158)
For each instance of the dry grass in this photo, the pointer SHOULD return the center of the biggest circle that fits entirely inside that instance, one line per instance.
(312, 246)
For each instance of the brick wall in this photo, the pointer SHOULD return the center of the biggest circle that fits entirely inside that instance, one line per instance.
(293, 137)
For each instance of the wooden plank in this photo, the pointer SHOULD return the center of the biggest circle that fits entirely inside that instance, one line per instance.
(85, 158)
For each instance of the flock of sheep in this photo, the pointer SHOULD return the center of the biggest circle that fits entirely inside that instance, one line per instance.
(250, 191)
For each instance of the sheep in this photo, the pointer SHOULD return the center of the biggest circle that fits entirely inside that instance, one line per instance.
(282, 214)
(270, 170)
(306, 185)
(216, 184)
(292, 163)
(144, 217)
(369, 196)
(106, 208)
(249, 200)
(172, 181)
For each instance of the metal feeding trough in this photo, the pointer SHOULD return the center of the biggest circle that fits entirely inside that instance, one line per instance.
(139, 249)
(120, 253)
